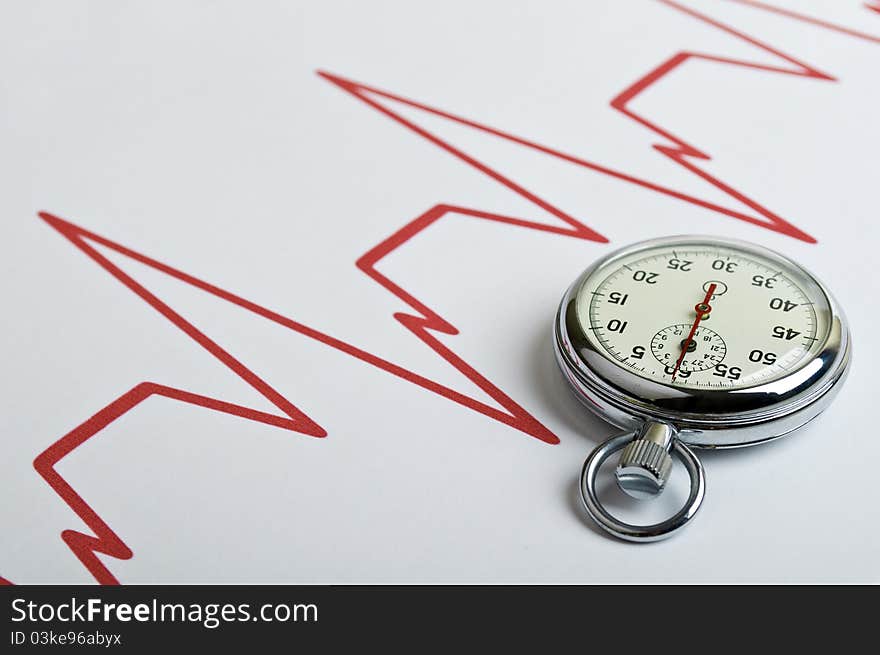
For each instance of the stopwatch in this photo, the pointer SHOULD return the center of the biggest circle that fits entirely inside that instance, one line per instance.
(694, 342)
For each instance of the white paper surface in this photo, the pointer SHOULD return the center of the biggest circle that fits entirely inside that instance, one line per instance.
(200, 136)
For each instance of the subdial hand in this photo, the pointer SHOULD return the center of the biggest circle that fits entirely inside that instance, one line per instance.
(702, 310)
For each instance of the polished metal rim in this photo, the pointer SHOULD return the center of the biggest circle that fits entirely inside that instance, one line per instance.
(706, 418)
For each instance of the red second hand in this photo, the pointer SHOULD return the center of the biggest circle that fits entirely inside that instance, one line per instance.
(702, 309)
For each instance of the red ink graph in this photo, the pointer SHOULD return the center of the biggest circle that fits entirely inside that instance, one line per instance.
(788, 13)
(423, 322)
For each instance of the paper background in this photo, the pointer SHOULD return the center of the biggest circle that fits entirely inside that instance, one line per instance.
(200, 135)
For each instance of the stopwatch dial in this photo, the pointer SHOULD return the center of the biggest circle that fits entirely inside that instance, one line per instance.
(703, 351)
(705, 315)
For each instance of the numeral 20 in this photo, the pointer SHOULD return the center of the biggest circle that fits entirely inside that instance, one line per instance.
(645, 276)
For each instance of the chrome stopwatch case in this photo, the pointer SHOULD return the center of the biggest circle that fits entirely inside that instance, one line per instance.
(695, 342)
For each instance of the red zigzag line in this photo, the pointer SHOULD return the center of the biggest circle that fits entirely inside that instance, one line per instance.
(679, 151)
(105, 541)
(788, 13)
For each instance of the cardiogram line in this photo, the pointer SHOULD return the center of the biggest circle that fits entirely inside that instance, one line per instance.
(677, 149)
(104, 540)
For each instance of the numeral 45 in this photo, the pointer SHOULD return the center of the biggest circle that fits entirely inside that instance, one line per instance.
(788, 334)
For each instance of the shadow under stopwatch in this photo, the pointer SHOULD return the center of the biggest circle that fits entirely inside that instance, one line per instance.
(743, 455)
(556, 394)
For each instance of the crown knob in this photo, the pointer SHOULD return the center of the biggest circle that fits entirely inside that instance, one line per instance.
(645, 463)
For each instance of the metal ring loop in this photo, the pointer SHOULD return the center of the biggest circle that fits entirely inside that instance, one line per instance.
(642, 533)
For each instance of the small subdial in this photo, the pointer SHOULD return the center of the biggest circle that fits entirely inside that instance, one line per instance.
(706, 350)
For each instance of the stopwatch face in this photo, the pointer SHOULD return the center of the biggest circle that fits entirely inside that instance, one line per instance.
(704, 315)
